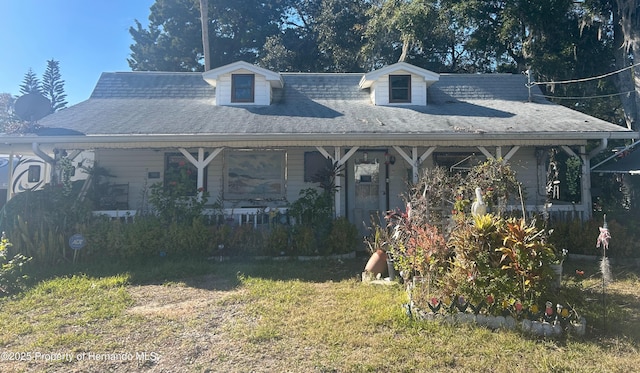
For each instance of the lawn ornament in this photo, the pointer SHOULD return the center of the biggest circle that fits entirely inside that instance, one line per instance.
(478, 207)
(603, 241)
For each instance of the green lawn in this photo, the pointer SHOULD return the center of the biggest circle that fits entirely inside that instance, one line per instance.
(196, 315)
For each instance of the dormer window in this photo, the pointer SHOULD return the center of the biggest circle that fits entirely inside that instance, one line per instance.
(242, 87)
(399, 88)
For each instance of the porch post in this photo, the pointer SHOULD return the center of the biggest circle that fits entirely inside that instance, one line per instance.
(585, 183)
(414, 160)
(200, 164)
(339, 161)
(338, 196)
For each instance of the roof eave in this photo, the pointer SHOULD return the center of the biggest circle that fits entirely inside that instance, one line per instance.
(516, 137)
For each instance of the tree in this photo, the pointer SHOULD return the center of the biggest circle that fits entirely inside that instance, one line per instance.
(9, 121)
(53, 86)
(238, 30)
(398, 27)
(30, 83)
(318, 36)
(295, 46)
(627, 37)
(172, 41)
(340, 27)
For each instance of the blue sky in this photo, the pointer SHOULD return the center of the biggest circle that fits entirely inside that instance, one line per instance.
(86, 36)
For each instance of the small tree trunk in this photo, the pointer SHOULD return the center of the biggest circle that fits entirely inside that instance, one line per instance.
(204, 19)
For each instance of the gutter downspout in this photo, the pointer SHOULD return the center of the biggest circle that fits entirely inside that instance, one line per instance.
(599, 148)
(45, 157)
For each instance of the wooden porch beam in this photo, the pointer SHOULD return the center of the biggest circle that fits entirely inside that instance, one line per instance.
(569, 151)
(414, 160)
(486, 153)
(200, 163)
(511, 153)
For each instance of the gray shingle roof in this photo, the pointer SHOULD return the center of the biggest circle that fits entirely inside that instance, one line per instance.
(134, 103)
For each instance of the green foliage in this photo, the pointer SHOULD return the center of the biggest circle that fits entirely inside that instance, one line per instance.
(497, 181)
(417, 248)
(481, 256)
(303, 240)
(172, 41)
(314, 209)
(579, 237)
(343, 238)
(146, 237)
(506, 259)
(178, 200)
(11, 277)
(30, 83)
(278, 241)
(9, 121)
(41, 222)
(53, 86)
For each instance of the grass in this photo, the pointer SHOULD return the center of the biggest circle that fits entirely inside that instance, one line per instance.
(192, 315)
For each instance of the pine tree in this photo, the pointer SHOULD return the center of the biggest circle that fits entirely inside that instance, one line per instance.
(53, 86)
(30, 83)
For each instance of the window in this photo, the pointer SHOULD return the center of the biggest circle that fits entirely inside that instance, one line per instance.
(317, 168)
(180, 175)
(255, 174)
(242, 87)
(399, 88)
(33, 174)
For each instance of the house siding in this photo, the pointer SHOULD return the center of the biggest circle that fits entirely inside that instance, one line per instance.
(262, 89)
(380, 90)
(132, 167)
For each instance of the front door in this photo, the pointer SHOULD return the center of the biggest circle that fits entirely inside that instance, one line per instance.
(369, 188)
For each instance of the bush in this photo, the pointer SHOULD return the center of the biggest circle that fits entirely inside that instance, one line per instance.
(502, 258)
(41, 223)
(579, 237)
(469, 257)
(11, 278)
(343, 238)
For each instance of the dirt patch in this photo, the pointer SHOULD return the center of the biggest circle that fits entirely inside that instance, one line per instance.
(179, 301)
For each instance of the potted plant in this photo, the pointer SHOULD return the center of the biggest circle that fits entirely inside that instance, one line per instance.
(377, 263)
(556, 267)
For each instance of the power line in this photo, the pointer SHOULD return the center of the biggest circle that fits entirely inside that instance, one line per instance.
(584, 79)
(583, 97)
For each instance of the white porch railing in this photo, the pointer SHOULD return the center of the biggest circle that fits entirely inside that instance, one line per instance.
(264, 216)
(255, 216)
(126, 215)
(562, 212)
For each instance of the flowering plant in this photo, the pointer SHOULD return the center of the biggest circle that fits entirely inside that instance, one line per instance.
(560, 256)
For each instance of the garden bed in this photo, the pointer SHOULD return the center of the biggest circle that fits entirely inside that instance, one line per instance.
(547, 326)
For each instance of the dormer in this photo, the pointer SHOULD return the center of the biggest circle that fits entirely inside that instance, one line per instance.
(399, 84)
(241, 83)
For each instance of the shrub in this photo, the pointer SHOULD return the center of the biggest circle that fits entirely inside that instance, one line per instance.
(278, 241)
(11, 278)
(41, 222)
(471, 258)
(579, 237)
(343, 237)
(303, 240)
(507, 259)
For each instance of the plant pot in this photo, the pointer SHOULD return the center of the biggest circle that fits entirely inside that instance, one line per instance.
(557, 274)
(377, 263)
